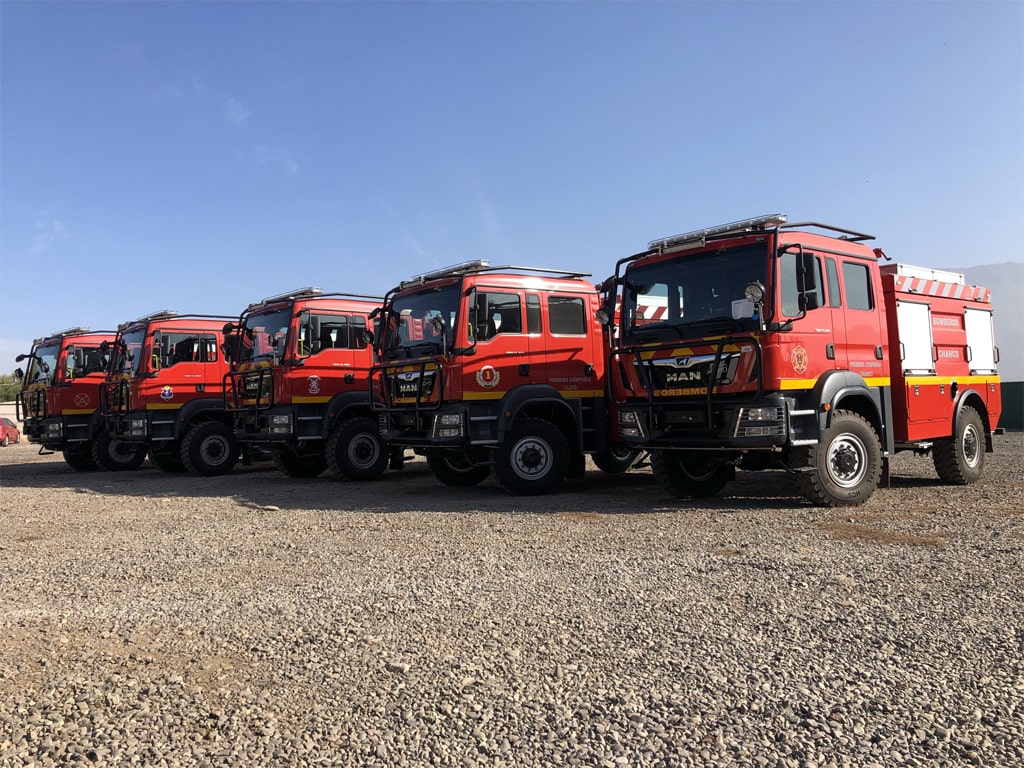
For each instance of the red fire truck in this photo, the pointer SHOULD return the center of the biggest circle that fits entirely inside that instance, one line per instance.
(762, 344)
(299, 383)
(59, 393)
(163, 393)
(502, 367)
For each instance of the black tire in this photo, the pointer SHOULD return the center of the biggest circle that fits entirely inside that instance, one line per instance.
(355, 450)
(5, 442)
(168, 458)
(616, 459)
(80, 458)
(533, 458)
(960, 460)
(294, 465)
(454, 469)
(209, 449)
(115, 455)
(845, 467)
(686, 477)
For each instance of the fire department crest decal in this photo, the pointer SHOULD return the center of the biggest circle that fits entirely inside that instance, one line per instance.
(166, 393)
(81, 399)
(488, 377)
(314, 384)
(799, 359)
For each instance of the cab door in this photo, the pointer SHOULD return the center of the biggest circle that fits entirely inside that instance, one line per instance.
(502, 358)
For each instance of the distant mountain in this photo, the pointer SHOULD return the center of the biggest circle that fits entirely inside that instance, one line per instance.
(1006, 281)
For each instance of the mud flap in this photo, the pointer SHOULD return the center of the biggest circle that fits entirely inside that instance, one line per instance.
(884, 480)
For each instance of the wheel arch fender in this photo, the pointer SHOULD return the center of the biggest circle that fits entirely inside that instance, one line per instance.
(346, 405)
(203, 409)
(849, 391)
(541, 401)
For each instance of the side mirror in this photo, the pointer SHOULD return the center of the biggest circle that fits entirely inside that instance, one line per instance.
(104, 346)
(228, 329)
(807, 281)
(19, 358)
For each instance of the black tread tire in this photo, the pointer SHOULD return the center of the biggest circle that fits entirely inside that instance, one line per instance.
(832, 480)
(960, 460)
(356, 451)
(289, 463)
(5, 442)
(533, 459)
(116, 455)
(167, 459)
(80, 458)
(616, 459)
(454, 470)
(209, 449)
(686, 478)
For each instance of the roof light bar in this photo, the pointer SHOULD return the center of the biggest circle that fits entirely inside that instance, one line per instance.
(452, 271)
(66, 332)
(699, 235)
(298, 293)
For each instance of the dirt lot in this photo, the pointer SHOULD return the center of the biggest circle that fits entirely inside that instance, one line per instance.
(150, 618)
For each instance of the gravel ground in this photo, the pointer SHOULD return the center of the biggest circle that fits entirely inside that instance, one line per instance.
(250, 619)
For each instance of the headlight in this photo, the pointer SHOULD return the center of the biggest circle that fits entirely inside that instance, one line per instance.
(629, 424)
(448, 425)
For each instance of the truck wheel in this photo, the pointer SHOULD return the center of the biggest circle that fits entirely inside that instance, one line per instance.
(616, 459)
(113, 454)
(292, 464)
(355, 450)
(167, 459)
(80, 458)
(533, 459)
(689, 478)
(959, 460)
(455, 470)
(845, 466)
(209, 448)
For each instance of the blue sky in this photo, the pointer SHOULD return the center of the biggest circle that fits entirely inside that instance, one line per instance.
(199, 156)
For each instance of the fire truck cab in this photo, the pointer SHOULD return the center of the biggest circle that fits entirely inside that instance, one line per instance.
(60, 391)
(299, 382)
(502, 367)
(163, 393)
(764, 344)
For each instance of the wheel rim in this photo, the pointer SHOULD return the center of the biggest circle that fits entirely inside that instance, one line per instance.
(214, 450)
(697, 472)
(363, 451)
(970, 446)
(846, 462)
(531, 458)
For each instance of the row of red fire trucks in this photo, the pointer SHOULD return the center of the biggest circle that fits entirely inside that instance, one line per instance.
(755, 345)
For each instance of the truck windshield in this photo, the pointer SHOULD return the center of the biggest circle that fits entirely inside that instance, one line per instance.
(43, 366)
(419, 322)
(693, 294)
(127, 352)
(265, 336)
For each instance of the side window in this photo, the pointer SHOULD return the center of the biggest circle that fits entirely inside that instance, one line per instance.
(532, 313)
(319, 332)
(497, 313)
(857, 281)
(833, 282)
(170, 348)
(788, 281)
(566, 316)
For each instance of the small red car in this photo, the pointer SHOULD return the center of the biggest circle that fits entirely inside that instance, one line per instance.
(9, 432)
